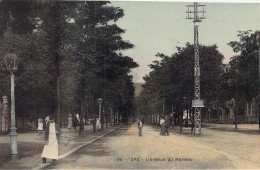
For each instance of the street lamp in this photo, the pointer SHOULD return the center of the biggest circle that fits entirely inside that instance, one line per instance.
(258, 43)
(11, 62)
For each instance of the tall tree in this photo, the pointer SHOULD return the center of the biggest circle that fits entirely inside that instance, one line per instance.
(54, 18)
(245, 64)
(171, 79)
(244, 69)
(75, 48)
(97, 44)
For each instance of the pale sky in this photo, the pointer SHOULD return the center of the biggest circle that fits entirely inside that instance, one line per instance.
(161, 26)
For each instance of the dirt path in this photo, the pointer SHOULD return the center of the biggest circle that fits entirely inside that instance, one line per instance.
(125, 149)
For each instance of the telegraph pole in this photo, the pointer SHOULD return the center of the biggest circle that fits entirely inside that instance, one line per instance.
(197, 17)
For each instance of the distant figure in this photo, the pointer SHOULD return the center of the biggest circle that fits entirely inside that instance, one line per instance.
(40, 125)
(162, 123)
(94, 124)
(30, 125)
(77, 116)
(70, 122)
(47, 119)
(98, 123)
(75, 122)
(51, 137)
(167, 125)
(140, 126)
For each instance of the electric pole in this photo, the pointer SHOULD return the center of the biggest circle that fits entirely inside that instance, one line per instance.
(197, 17)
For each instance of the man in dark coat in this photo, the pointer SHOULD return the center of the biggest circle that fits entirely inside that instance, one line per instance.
(140, 126)
(75, 121)
(162, 123)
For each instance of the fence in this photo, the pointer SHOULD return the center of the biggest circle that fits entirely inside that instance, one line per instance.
(21, 124)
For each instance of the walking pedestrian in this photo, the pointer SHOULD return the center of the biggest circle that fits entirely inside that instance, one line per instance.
(75, 122)
(51, 137)
(70, 122)
(40, 125)
(77, 116)
(140, 126)
(47, 118)
(162, 123)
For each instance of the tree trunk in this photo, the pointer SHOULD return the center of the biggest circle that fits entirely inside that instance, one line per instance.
(94, 124)
(102, 119)
(192, 123)
(163, 107)
(173, 120)
(117, 118)
(258, 111)
(114, 118)
(81, 127)
(58, 100)
(106, 120)
(209, 115)
(57, 69)
(181, 121)
(111, 115)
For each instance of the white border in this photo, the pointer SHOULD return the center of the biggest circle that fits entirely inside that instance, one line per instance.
(208, 1)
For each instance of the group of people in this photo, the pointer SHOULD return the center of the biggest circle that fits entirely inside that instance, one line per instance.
(164, 123)
(73, 121)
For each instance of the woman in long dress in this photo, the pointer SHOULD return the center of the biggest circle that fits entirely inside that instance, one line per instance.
(70, 122)
(50, 150)
(40, 125)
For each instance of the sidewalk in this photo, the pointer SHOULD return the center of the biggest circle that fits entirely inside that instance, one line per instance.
(30, 146)
(242, 128)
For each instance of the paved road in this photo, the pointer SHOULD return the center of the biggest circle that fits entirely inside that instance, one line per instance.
(125, 149)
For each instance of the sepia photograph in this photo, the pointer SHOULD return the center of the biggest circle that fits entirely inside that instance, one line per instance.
(152, 84)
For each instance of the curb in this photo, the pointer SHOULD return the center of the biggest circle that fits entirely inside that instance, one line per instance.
(75, 150)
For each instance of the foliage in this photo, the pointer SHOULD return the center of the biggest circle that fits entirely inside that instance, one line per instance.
(172, 79)
(244, 66)
(69, 52)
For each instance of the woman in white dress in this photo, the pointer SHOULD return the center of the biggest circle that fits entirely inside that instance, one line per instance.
(40, 125)
(70, 122)
(50, 150)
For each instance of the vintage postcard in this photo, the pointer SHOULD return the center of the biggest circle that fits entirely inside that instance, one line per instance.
(129, 84)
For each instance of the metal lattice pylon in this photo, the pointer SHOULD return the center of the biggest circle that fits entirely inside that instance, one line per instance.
(197, 115)
(196, 19)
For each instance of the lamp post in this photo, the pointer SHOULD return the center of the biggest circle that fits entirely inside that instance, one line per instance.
(99, 103)
(258, 95)
(11, 62)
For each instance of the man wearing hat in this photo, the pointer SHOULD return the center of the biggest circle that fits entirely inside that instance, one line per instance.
(140, 126)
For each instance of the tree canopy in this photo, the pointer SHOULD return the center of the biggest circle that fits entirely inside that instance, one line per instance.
(172, 78)
(69, 52)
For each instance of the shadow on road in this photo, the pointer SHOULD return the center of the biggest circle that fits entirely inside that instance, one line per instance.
(26, 149)
(94, 149)
(244, 131)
